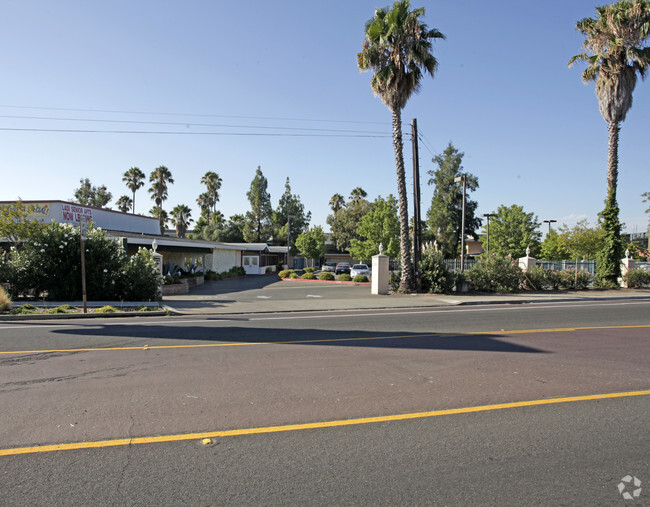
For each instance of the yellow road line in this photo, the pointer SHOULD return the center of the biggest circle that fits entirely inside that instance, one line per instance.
(321, 340)
(316, 425)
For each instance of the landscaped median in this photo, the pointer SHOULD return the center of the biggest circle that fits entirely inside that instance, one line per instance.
(40, 311)
(326, 277)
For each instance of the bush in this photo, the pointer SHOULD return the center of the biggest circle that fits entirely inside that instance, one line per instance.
(436, 277)
(637, 278)
(494, 273)
(293, 275)
(569, 280)
(212, 275)
(326, 276)
(106, 309)
(269, 269)
(24, 310)
(286, 273)
(344, 277)
(361, 279)
(5, 301)
(393, 281)
(308, 276)
(309, 270)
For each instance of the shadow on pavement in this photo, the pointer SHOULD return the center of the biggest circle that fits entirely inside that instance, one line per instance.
(234, 285)
(236, 335)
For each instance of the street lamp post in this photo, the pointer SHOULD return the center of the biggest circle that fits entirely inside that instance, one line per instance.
(289, 217)
(487, 230)
(457, 179)
(549, 222)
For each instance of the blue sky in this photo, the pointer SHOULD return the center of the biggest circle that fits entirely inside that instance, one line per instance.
(220, 77)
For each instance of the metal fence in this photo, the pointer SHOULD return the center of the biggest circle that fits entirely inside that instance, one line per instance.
(645, 266)
(589, 266)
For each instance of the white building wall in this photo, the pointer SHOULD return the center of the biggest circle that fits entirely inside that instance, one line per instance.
(222, 260)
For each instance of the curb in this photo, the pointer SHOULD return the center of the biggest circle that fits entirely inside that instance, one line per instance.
(343, 282)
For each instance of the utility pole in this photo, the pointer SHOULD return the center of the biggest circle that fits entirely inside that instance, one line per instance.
(487, 229)
(416, 203)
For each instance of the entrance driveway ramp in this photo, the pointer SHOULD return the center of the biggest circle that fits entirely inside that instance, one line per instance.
(268, 294)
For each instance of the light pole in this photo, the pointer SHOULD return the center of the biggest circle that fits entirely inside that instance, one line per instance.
(549, 222)
(289, 217)
(457, 179)
(487, 230)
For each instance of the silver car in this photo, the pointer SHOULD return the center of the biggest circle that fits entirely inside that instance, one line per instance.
(360, 269)
(328, 267)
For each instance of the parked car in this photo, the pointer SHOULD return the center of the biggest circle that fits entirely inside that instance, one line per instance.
(329, 267)
(360, 269)
(342, 267)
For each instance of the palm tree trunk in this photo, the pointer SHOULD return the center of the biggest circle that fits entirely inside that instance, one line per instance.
(133, 204)
(406, 282)
(612, 159)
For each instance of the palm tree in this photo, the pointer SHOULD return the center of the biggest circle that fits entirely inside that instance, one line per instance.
(357, 194)
(205, 203)
(134, 179)
(397, 48)
(124, 203)
(614, 52)
(162, 217)
(159, 178)
(181, 219)
(213, 183)
(336, 203)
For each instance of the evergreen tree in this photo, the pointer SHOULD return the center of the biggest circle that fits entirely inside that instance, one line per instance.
(259, 221)
(89, 195)
(512, 230)
(344, 222)
(379, 226)
(289, 206)
(444, 217)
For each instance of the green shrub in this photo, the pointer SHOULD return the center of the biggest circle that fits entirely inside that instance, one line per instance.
(344, 277)
(5, 301)
(106, 309)
(285, 273)
(569, 280)
(309, 270)
(269, 269)
(308, 276)
(494, 273)
(24, 310)
(326, 276)
(147, 309)
(361, 279)
(539, 278)
(63, 309)
(393, 281)
(637, 278)
(212, 275)
(293, 275)
(436, 277)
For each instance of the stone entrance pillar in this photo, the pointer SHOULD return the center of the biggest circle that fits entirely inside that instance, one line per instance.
(380, 274)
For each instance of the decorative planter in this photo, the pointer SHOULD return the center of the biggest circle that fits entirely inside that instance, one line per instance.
(176, 288)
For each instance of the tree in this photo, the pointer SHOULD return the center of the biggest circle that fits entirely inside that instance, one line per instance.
(311, 243)
(344, 222)
(134, 179)
(181, 219)
(646, 196)
(160, 178)
(379, 226)
(162, 217)
(89, 195)
(16, 224)
(124, 203)
(210, 198)
(336, 203)
(553, 248)
(289, 206)
(512, 230)
(614, 51)
(205, 204)
(445, 216)
(581, 241)
(259, 223)
(397, 48)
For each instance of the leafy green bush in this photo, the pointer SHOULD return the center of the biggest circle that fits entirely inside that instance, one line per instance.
(494, 273)
(309, 270)
(293, 275)
(569, 279)
(326, 276)
(344, 277)
(212, 275)
(63, 309)
(539, 278)
(361, 279)
(308, 276)
(106, 309)
(286, 273)
(393, 281)
(436, 277)
(637, 278)
(24, 310)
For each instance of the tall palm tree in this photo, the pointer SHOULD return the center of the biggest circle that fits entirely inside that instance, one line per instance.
(212, 181)
(124, 203)
(397, 48)
(162, 217)
(160, 178)
(134, 179)
(614, 52)
(357, 194)
(181, 219)
(336, 203)
(205, 204)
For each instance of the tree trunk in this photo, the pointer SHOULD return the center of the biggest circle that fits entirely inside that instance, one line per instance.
(612, 159)
(406, 282)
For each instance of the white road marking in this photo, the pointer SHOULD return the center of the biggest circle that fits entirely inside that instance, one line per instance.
(313, 296)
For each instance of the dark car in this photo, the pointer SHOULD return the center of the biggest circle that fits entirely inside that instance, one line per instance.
(343, 267)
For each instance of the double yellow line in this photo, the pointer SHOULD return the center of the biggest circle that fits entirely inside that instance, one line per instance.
(307, 426)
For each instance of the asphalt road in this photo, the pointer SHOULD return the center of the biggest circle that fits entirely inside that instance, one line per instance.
(73, 382)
